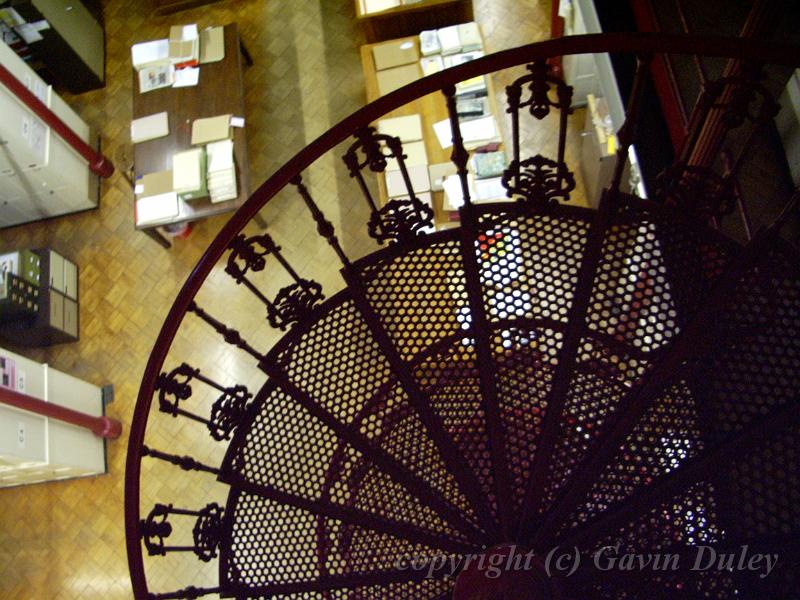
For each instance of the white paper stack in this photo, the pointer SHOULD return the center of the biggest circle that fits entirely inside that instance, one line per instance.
(152, 210)
(429, 42)
(475, 132)
(415, 155)
(149, 127)
(396, 186)
(490, 190)
(221, 171)
(469, 36)
(449, 40)
(408, 128)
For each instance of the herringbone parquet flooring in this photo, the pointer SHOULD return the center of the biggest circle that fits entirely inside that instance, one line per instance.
(66, 540)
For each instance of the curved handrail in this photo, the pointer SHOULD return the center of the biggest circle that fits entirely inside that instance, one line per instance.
(629, 43)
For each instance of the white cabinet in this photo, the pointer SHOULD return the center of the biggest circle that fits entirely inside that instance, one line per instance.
(40, 174)
(579, 69)
(594, 74)
(34, 448)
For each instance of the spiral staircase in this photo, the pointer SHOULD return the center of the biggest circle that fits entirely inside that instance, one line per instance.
(545, 379)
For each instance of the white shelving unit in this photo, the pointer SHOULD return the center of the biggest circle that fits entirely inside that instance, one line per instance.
(41, 176)
(36, 449)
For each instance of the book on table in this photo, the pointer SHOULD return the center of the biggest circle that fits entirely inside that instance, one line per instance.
(189, 174)
(211, 129)
(150, 127)
(489, 164)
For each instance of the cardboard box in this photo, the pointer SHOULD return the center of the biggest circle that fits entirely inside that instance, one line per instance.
(153, 184)
(395, 53)
(396, 77)
(438, 172)
(212, 45)
(211, 129)
(184, 46)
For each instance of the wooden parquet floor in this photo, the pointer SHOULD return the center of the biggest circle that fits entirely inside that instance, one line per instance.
(66, 540)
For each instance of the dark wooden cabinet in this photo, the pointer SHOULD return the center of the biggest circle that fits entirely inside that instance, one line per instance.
(165, 7)
(57, 318)
(68, 48)
(411, 17)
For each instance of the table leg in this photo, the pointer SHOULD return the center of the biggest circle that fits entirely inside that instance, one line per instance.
(260, 221)
(248, 60)
(158, 237)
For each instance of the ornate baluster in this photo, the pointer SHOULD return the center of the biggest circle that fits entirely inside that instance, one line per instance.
(294, 302)
(206, 533)
(324, 227)
(187, 463)
(231, 336)
(400, 219)
(226, 412)
(539, 180)
(460, 156)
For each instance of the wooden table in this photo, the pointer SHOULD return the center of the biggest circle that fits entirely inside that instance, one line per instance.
(431, 109)
(220, 91)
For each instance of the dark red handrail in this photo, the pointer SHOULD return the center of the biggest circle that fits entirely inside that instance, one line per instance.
(98, 163)
(103, 426)
(629, 43)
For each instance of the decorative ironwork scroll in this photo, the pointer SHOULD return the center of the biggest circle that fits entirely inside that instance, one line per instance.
(226, 412)
(206, 533)
(400, 219)
(294, 302)
(540, 181)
